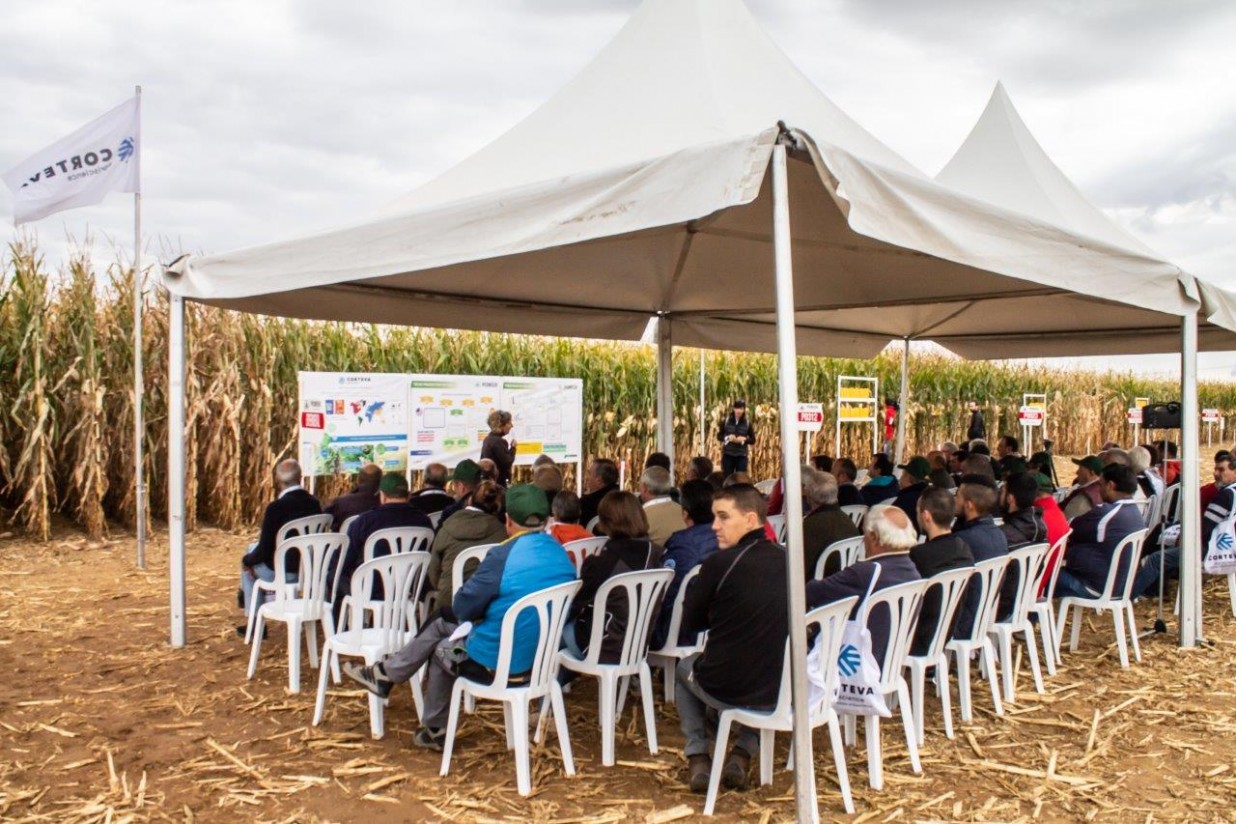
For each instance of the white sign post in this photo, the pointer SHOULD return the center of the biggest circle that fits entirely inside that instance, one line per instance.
(810, 420)
(1031, 421)
(1210, 417)
(1136, 420)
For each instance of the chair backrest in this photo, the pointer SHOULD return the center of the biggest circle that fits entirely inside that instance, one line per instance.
(318, 552)
(644, 591)
(675, 620)
(435, 518)
(1031, 564)
(857, 513)
(988, 575)
(902, 603)
(830, 619)
(1171, 496)
(847, 549)
(347, 522)
(591, 526)
(309, 525)
(401, 576)
(473, 553)
(1126, 554)
(399, 539)
(550, 606)
(777, 522)
(952, 585)
(1052, 565)
(583, 549)
(1154, 510)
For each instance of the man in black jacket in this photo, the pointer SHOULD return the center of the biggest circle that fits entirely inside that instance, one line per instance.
(601, 479)
(911, 484)
(433, 497)
(977, 430)
(941, 552)
(361, 498)
(976, 500)
(739, 596)
(848, 494)
(292, 502)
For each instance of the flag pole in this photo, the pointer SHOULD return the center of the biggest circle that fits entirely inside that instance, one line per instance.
(139, 430)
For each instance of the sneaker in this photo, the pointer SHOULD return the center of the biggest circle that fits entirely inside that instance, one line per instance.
(240, 597)
(243, 630)
(371, 678)
(734, 774)
(700, 767)
(430, 738)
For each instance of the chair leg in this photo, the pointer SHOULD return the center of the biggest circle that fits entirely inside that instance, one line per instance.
(1032, 649)
(1057, 631)
(259, 628)
(963, 687)
(311, 642)
(1231, 590)
(506, 723)
(946, 700)
(377, 708)
(564, 734)
(650, 715)
(1137, 647)
(918, 678)
(541, 717)
(1076, 632)
(907, 721)
(1049, 646)
(257, 596)
(851, 730)
(319, 708)
(452, 724)
(718, 762)
(843, 774)
(767, 740)
(418, 692)
(293, 655)
(875, 754)
(607, 693)
(624, 685)
(670, 667)
(1118, 623)
(1007, 675)
(989, 652)
(517, 711)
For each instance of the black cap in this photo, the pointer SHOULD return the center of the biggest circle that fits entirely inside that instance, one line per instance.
(740, 404)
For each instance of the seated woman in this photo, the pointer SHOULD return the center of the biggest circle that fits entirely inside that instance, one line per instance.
(628, 549)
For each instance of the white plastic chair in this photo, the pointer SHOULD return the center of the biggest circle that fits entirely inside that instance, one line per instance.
(392, 624)
(583, 549)
(1154, 511)
(550, 606)
(473, 553)
(952, 585)
(777, 522)
(857, 513)
(309, 525)
(300, 611)
(668, 656)
(644, 590)
(435, 519)
(398, 540)
(988, 575)
(1171, 496)
(830, 619)
(1030, 562)
(849, 550)
(1042, 607)
(347, 522)
(591, 526)
(1115, 597)
(902, 603)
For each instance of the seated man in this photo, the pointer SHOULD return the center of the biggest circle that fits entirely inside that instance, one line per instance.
(292, 502)
(362, 497)
(888, 537)
(663, 513)
(433, 497)
(880, 485)
(600, 480)
(976, 500)
(1023, 521)
(699, 469)
(684, 551)
(845, 472)
(393, 511)
(824, 523)
(739, 596)
(940, 475)
(1097, 533)
(911, 484)
(564, 522)
(528, 561)
(941, 552)
(464, 478)
(1087, 491)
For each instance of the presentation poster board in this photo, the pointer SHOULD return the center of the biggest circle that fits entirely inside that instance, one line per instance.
(405, 422)
(349, 419)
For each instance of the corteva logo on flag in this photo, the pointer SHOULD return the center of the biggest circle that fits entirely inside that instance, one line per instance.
(103, 156)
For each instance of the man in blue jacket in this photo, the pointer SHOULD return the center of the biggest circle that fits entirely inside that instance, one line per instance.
(1097, 533)
(528, 561)
(684, 551)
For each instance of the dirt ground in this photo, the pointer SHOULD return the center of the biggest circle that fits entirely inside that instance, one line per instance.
(102, 721)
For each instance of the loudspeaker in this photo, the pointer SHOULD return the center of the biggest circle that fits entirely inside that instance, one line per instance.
(1161, 416)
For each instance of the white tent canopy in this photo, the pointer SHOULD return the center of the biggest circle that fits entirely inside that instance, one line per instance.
(656, 183)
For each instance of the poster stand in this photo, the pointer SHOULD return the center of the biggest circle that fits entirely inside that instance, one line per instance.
(858, 403)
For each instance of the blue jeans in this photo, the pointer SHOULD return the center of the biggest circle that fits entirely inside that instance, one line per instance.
(1147, 578)
(697, 715)
(733, 463)
(1070, 584)
(250, 575)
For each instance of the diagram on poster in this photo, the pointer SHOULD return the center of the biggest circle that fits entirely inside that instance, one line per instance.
(348, 420)
(545, 416)
(448, 417)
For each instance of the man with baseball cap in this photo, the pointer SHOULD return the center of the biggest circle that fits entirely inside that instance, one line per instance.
(464, 478)
(1087, 489)
(528, 561)
(913, 481)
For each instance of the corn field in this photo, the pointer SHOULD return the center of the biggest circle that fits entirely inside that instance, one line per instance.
(66, 381)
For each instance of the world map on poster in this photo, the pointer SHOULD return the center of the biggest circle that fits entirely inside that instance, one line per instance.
(348, 420)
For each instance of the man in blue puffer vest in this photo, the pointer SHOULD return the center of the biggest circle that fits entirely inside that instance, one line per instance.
(528, 561)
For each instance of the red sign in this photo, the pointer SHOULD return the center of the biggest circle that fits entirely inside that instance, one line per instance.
(1031, 416)
(312, 420)
(1135, 416)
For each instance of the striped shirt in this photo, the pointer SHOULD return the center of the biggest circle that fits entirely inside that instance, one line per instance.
(1220, 510)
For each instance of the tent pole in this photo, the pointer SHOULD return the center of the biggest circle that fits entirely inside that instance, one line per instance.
(176, 466)
(1190, 485)
(665, 390)
(703, 434)
(787, 373)
(903, 402)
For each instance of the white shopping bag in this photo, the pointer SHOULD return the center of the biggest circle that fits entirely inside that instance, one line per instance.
(859, 693)
(1221, 555)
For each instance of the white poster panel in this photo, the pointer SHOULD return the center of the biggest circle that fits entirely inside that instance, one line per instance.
(548, 416)
(348, 420)
(447, 423)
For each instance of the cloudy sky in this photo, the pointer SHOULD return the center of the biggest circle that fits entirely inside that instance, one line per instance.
(266, 120)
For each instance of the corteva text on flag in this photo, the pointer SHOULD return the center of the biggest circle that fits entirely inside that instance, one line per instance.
(102, 156)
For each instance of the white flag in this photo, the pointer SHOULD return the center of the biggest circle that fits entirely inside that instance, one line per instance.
(102, 156)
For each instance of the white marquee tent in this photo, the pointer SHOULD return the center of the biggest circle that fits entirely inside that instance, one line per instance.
(660, 183)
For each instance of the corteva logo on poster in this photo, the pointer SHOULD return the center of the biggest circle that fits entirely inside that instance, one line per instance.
(93, 162)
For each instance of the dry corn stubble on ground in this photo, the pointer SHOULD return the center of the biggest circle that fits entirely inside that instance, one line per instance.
(101, 721)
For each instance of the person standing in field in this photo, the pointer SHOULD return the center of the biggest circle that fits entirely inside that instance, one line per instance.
(978, 427)
(496, 448)
(736, 435)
